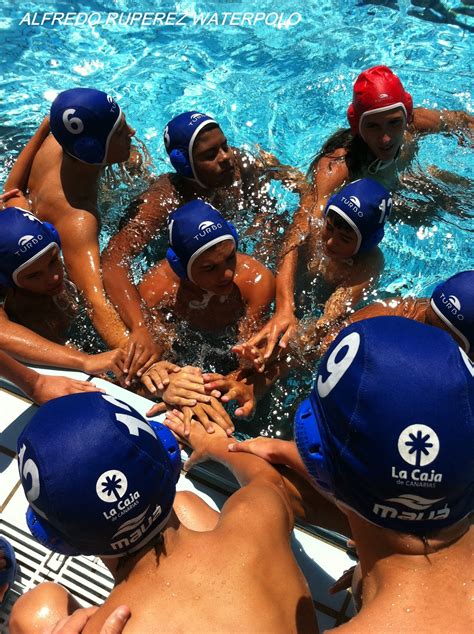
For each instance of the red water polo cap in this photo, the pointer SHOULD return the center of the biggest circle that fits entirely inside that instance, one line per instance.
(377, 89)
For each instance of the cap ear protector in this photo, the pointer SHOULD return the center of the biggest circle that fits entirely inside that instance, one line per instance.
(176, 263)
(49, 536)
(308, 441)
(170, 444)
(180, 161)
(88, 149)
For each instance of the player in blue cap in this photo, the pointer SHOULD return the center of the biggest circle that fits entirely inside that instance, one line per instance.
(205, 167)
(205, 280)
(387, 435)
(174, 559)
(343, 252)
(37, 303)
(61, 172)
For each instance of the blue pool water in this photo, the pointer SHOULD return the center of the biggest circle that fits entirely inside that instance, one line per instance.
(284, 87)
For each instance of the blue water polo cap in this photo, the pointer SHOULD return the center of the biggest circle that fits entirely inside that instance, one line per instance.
(194, 228)
(23, 239)
(388, 428)
(453, 303)
(180, 135)
(99, 479)
(365, 205)
(83, 121)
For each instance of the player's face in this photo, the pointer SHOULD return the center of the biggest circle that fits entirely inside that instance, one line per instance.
(120, 143)
(338, 243)
(383, 132)
(45, 276)
(214, 269)
(213, 159)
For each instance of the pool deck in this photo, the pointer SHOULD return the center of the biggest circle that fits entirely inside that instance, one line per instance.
(321, 560)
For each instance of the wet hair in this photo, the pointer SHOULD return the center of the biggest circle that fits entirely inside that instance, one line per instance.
(358, 152)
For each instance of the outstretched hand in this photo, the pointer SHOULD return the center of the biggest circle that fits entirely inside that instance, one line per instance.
(141, 353)
(48, 387)
(232, 389)
(281, 326)
(194, 435)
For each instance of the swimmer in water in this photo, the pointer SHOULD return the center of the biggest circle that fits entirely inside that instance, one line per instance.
(174, 559)
(381, 140)
(343, 251)
(61, 172)
(206, 168)
(387, 435)
(205, 281)
(37, 302)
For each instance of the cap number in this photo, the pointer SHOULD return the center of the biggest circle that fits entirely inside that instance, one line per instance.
(337, 369)
(385, 209)
(72, 124)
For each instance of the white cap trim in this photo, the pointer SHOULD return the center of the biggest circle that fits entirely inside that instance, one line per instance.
(32, 260)
(450, 325)
(392, 106)
(205, 247)
(191, 145)
(349, 222)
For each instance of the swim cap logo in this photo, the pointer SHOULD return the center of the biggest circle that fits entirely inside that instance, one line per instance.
(353, 203)
(204, 225)
(418, 445)
(23, 240)
(111, 486)
(453, 305)
(196, 116)
(455, 302)
(415, 502)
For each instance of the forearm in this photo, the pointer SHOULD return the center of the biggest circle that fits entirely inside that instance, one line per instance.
(107, 323)
(26, 345)
(245, 467)
(285, 281)
(16, 373)
(123, 294)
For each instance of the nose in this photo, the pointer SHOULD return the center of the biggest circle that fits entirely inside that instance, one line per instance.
(131, 131)
(228, 274)
(225, 155)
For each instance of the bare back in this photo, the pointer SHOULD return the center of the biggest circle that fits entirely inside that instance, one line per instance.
(230, 579)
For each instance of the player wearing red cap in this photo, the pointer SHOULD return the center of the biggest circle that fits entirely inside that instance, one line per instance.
(379, 142)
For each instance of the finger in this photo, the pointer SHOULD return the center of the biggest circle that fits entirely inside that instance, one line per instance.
(148, 383)
(245, 410)
(176, 425)
(200, 414)
(187, 417)
(209, 376)
(183, 402)
(158, 408)
(75, 623)
(191, 393)
(219, 416)
(194, 459)
(130, 352)
(116, 621)
(148, 362)
(162, 376)
(271, 343)
(286, 337)
(87, 386)
(245, 446)
(231, 395)
(139, 358)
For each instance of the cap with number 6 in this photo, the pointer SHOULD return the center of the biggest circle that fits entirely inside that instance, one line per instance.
(388, 429)
(83, 121)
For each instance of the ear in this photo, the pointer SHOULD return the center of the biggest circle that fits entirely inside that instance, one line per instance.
(47, 535)
(180, 162)
(176, 264)
(89, 150)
